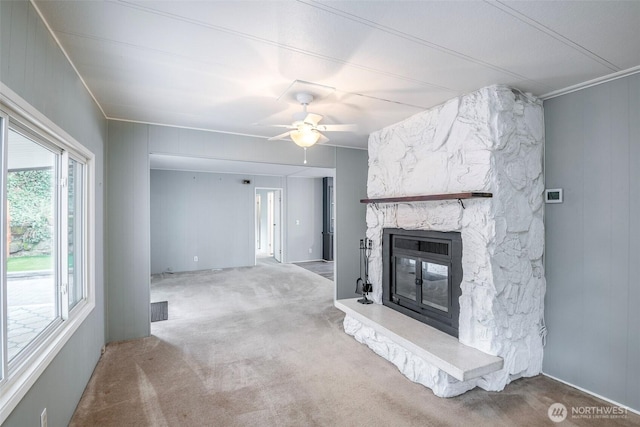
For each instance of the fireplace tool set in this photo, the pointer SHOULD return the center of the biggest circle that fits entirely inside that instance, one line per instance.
(363, 285)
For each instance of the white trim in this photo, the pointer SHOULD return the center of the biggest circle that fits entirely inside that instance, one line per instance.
(142, 122)
(66, 55)
(551, 33)
(4, 353)
(606, 399)
(283, 247)
(63, 241)
(25, 373)
(248, 135)
(590, 83)
(22, 108)
(302, 261)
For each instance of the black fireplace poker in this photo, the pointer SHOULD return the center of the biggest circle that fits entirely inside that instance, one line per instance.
(363, 283)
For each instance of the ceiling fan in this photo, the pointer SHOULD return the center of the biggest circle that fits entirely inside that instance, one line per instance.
(305, 130)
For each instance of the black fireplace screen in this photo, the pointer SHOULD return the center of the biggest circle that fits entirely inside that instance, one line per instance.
(422, 272)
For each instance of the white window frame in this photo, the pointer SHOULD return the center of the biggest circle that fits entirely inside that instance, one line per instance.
(85, 197)
(19, 376)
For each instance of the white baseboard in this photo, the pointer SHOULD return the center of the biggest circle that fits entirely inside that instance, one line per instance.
(635, 411)
(307, 260)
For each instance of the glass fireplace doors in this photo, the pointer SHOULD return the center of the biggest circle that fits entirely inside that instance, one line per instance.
(422, 275)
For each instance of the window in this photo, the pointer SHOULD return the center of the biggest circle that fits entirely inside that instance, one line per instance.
(30, 279)
(47, 287)
(75, 215)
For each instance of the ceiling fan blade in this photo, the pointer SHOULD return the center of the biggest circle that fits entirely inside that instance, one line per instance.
(338, 128)
(322, 139)
(281, 136)
(312, 118)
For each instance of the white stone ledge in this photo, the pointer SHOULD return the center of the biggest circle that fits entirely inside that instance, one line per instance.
(435, 347)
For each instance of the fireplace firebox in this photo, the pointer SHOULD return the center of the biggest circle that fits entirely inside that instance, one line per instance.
(422, 272)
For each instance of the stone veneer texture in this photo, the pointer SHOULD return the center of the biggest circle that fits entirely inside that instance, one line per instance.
(490, 140)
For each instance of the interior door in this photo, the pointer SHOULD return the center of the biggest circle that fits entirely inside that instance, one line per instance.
(277, 225)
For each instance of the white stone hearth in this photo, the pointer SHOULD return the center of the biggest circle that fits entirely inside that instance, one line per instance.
(407, 343)
(492, 141)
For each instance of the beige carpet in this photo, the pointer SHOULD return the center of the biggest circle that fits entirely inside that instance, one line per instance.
(264, 346)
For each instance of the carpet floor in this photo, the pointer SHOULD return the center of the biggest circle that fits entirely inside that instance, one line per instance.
(264, 346)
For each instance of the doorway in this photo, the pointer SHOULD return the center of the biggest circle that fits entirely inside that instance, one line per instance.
(268, 225)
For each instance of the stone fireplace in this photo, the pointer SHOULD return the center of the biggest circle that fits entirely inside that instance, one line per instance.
(488, 141)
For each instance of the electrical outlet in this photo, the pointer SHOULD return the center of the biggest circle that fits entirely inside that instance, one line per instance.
(310, 250)
(195, 258)
(43, 418)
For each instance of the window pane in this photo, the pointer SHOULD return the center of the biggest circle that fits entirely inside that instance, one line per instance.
(76, 285)
(406, 277)
(435, 285)
(31, 207)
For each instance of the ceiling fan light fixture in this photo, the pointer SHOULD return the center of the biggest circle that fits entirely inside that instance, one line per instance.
(305, 137)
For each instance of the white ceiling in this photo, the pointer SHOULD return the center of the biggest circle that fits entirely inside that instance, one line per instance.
(227, 65)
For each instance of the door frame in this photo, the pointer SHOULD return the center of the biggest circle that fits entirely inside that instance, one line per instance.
(279, 235)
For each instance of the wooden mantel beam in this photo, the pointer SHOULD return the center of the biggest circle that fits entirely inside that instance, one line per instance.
(429, 197)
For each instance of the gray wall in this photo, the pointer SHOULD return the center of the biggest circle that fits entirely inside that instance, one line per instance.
(128, 267)
(350, 187)
(212, 216)
(593, 239)
(207, 215)
(304, 204)
(32, 65)
(128, 256)
(188, 142)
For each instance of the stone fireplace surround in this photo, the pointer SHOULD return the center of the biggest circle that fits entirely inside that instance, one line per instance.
(492, 141)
